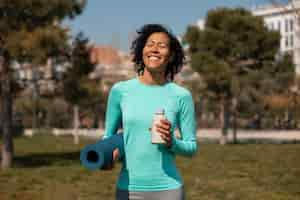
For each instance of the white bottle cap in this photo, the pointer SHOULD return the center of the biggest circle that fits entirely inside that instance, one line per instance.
(160, 111)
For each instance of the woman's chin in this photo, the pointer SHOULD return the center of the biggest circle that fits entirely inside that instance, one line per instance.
(155, 69)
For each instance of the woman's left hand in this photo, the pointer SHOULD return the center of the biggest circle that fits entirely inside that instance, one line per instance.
(164, 128)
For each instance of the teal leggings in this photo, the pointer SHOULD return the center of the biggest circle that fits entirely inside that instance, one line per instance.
(176, 194)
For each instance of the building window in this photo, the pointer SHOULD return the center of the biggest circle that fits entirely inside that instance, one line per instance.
(286, 41)
(291, 41)
(286, 23)
(271, 26)
(291, 25)
(279, 26)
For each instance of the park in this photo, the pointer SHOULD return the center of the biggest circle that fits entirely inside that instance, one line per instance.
(240, 66)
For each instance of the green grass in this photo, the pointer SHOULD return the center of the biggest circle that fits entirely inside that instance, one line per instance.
(47, 167)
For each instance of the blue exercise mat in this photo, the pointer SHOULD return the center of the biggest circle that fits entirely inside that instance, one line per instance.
(99, 155)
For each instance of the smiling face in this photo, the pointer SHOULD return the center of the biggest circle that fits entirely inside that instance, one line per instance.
(156, 52)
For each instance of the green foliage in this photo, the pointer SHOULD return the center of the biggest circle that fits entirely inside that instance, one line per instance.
(283, 72)
(235, 54)
(57, 114)
(80, 58)
(75, 84)
(52, 112)
(38, 46)
(192, 37)
(206, 63)
(235, 34)
(31, 30)
(73, 91)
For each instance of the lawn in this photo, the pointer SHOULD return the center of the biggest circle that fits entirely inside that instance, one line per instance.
(48, 168)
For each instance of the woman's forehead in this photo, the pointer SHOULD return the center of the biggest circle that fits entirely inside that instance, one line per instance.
(159, 36)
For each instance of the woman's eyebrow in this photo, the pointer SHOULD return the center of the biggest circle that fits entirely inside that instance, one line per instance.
(153, 41)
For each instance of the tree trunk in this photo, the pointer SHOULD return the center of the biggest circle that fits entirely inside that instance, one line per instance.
(7, 101)
(76, 123)
(234, 123)
(224, 120)
(35, 107)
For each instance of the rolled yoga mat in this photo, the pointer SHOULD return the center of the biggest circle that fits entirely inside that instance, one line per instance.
(99, 155)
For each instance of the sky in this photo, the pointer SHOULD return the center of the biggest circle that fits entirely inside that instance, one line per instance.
(114, 22)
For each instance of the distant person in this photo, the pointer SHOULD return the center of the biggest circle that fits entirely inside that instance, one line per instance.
(149, 171)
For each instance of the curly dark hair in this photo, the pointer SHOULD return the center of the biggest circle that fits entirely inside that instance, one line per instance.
(176, 60)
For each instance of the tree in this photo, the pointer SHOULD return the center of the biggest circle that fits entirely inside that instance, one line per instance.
(235, 56)
(30, 31)
(275, 88)
(76, 85)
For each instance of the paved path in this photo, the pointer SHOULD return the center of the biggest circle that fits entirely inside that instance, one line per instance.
(274, 135)
(202, 134)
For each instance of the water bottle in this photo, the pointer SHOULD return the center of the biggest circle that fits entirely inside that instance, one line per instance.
(155, 135)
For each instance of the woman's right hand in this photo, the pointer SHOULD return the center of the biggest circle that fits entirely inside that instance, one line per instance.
(116, 155)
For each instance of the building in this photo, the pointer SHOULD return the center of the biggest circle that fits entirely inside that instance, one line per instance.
(283, 18)
(112, 65)
(38, 80)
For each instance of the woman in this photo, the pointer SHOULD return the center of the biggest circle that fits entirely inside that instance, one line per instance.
(149, 170)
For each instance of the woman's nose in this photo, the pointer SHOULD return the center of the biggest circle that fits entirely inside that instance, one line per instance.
(154, 48)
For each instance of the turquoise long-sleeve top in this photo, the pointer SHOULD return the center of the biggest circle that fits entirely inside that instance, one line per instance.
(131, 105)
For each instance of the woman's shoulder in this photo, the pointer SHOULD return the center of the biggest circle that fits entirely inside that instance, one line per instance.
(179, 90)
(121, 85)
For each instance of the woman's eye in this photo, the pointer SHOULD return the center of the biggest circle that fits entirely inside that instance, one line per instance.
(162, 46)
(159, 45)
(149, 44)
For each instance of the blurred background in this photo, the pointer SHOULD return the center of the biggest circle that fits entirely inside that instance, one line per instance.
(59, 59)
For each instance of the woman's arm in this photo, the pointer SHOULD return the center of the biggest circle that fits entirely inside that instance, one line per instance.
(187, 145)
(113, 115)
(113, 118)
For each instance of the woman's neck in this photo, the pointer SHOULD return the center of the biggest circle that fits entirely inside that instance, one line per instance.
(152, 78)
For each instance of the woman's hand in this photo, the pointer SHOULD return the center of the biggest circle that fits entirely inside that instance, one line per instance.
(164, 128)
(116, 155)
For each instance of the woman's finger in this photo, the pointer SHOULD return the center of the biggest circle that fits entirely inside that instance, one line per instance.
(165, 137)
(116, 154)
(164, 126)
(166, 122)
(165, 134)
(163, 130)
